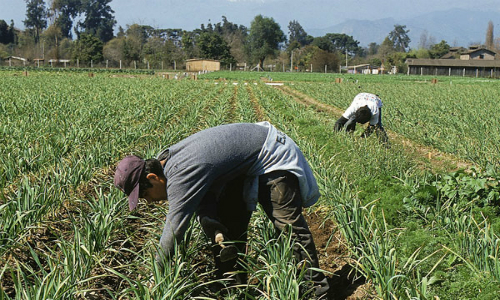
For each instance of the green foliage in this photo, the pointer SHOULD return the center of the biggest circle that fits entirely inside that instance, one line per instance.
(399, 38)
(213, 46)
(99, 20)
(297, 36)
(66, 11)
(343, 43)
(87, 48)
(413, 234)
(6, 33)
(264, 38)
(440, 49)
(36, 17)
(461, 284)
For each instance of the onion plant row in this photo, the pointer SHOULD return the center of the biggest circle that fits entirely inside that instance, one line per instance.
(454, 118)
(66, 232)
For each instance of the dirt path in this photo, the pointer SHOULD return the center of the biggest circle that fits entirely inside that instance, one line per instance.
(332, 252)
(438, 160)
(334, 257)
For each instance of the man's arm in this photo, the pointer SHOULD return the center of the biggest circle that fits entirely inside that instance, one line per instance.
(185, 189)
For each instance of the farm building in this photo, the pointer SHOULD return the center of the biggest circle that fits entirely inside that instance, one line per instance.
(15, 61)
(196, 65)
(475, 62)
(54, 62)
(363, 69)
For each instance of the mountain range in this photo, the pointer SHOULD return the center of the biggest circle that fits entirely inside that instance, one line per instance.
(458, 27)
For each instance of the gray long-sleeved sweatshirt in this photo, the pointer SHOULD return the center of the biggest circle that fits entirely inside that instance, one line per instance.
(205, 161)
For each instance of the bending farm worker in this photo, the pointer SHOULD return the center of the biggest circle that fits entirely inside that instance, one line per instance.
(220, 174)
(365, 107)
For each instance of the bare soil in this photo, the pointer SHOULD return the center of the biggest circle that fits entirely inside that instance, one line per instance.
(333, 257)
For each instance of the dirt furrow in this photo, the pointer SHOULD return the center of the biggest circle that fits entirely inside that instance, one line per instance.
(440, 161)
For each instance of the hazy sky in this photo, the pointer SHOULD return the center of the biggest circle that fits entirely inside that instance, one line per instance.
(314, 14)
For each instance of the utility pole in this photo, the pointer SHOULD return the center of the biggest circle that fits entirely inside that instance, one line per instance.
(346, 61)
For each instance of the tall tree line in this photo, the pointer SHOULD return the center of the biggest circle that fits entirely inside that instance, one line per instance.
(84, 30)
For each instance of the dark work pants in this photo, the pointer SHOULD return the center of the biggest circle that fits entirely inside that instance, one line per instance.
(279, 195)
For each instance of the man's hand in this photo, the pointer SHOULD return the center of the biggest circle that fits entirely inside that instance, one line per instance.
(211, 226)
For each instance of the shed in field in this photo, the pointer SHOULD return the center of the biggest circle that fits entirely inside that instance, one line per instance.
(363, 69)
(478, 53)
(475, 62)
(14, 60)
(196, 65)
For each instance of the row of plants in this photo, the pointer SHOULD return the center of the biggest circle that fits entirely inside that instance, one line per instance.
(67, 233)
(455, 119)
(414, 234)
(45, 69)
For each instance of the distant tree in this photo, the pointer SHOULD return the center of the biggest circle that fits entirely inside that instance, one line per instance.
(399, 38)
(440, 49)
(386, 48)
(234, 35)
(133, 44)
(372, 49)
(424, 43)
(320, 58)
(121, 32)
(419, 53)
(52, 37)
(88, 48)
(297, 36)
(12, 32)
(344, 43)
(36, 17)
(114, 49)
(264, 38)
(65, 11)
(340, 42)
(6, 34)
(323, 43)
(489, 36)
(213, 46)
(375, 62)
(188, 43)
(99, 20)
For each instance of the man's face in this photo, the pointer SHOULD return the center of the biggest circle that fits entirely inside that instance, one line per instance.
(157, 192)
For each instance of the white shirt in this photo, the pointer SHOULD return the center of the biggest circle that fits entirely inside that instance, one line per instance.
(365, 99)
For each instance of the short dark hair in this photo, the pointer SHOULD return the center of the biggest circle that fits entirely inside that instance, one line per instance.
(363, 115)
(152, 166)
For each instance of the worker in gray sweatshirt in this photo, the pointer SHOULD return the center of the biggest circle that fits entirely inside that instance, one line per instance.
(220, 174)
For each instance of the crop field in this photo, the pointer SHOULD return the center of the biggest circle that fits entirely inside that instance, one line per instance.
(417, 218)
